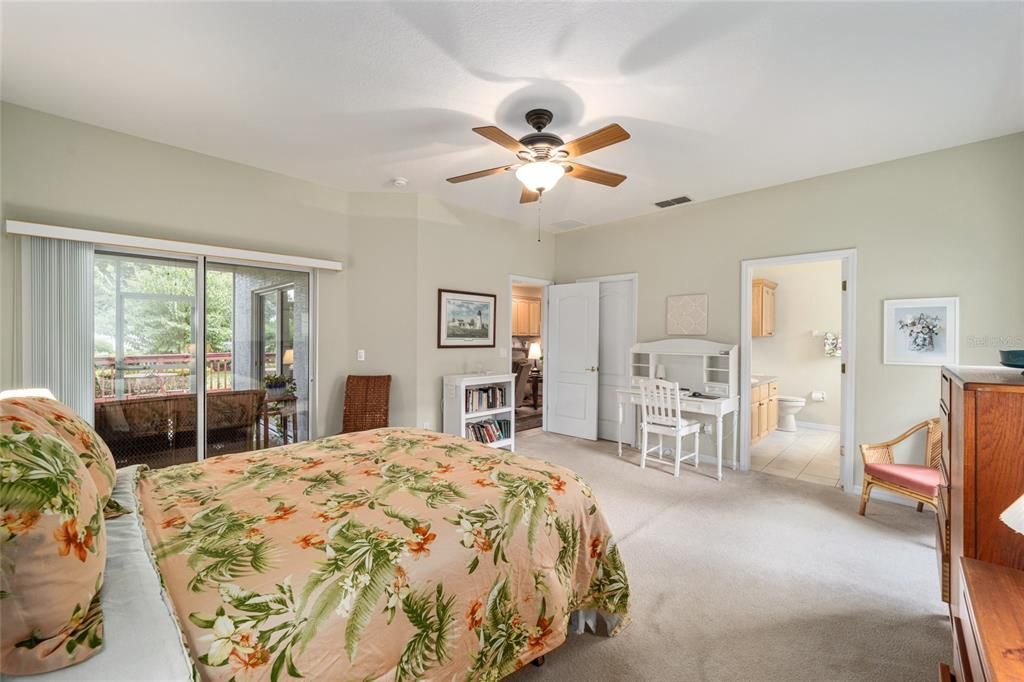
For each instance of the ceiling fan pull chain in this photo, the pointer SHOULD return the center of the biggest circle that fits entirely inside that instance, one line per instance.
(540, 200)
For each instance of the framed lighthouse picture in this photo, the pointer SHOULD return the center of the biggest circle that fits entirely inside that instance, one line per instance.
(465, 319)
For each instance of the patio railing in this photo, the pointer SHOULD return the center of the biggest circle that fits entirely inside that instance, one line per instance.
(167, 373)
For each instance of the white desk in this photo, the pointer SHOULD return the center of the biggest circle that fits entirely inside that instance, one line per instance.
(710, 407)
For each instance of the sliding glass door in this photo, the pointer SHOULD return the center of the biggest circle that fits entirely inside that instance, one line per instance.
(145, 358)
(247, 346)
(258, 319)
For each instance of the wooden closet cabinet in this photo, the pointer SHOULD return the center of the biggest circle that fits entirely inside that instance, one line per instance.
(534, 317)
(983, 462)
(525, 317)
(763, 308)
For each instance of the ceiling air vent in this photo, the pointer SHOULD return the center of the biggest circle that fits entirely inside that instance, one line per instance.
(564, 225)
(672, 202)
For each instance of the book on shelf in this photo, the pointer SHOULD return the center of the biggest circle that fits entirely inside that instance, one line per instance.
(489, 430)
(485, 398)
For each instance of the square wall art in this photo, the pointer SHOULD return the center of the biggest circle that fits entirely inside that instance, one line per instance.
(922, 331)
(686, 315)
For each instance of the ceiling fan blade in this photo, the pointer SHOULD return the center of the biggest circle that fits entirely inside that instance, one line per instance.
(527, 196)
(479, 174)
(591, 174)
(499, 136)
(605, 137)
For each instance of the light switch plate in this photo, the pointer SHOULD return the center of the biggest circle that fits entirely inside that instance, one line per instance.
(360, 355)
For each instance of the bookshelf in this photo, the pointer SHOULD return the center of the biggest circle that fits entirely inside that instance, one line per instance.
(476, 406)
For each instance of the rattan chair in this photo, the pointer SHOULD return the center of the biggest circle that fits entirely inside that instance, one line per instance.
(367, 402)
(918, 482)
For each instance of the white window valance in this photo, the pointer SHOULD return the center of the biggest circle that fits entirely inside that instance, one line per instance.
(166, 245)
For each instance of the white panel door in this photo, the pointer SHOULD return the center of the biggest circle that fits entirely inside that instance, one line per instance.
(571, 359)
(616, 338)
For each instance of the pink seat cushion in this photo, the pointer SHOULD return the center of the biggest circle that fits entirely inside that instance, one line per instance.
(920, 479)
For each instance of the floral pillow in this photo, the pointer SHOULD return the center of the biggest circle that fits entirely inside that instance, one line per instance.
(77, 433)
(53, 542)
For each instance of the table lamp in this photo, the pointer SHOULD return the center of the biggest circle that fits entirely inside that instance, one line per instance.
(534, 354)
(1013, 516)
(288, 358)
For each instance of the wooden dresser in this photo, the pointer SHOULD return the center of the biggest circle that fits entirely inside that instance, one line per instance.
(989, 634)
(983, 460)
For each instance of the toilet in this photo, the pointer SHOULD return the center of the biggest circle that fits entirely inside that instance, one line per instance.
(788, 407)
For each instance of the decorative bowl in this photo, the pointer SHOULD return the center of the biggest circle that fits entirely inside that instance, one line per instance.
(1012, 358)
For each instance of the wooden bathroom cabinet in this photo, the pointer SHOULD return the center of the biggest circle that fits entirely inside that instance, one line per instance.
(763, 308)
(764, 410)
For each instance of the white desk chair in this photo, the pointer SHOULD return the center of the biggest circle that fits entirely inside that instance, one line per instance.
(661, 414)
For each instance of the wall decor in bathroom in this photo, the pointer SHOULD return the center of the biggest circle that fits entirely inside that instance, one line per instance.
(922, 331)
(686, 315)
(833, 345)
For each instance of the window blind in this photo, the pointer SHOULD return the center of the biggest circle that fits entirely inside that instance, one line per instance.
(57, 316)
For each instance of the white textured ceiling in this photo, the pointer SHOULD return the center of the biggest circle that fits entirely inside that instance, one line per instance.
(719, 98)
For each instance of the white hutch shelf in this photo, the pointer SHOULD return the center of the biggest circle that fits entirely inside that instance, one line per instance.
(719, 364)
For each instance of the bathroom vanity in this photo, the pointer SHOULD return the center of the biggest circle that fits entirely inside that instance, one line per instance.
(764, 406)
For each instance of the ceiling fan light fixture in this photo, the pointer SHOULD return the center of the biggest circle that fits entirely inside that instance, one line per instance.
(540, 176)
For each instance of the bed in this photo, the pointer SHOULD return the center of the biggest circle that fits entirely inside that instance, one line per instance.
(389, 554)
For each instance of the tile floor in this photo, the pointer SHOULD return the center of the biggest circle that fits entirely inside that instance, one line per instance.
(808, 455)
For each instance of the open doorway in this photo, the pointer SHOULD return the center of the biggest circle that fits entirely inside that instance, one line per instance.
(798, 327)
(526, 349)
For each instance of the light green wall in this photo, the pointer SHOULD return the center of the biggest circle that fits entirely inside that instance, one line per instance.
(948, 223)
(398, 248)
(382, 303)
(469, 251)
(62, 172)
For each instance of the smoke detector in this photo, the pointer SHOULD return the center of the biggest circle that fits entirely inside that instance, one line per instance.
(399, 181)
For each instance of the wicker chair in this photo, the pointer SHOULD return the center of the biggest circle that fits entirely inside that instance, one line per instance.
(918, 482)
(367, 401)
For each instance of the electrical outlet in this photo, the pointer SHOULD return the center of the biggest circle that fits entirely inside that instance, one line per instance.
(361, 355)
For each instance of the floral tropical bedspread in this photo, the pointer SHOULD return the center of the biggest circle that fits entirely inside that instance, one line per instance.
(389, 554)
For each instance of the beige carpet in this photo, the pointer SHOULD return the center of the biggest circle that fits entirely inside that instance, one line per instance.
(754, 578)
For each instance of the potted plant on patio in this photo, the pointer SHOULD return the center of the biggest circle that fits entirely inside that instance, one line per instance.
(278, 386)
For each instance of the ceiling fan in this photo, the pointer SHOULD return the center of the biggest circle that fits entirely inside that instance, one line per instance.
(545, 157)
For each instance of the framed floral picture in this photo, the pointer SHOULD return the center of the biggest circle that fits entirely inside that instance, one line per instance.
(922, 331)
(465, 319)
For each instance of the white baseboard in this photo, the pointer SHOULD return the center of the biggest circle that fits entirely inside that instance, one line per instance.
(817, 427)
